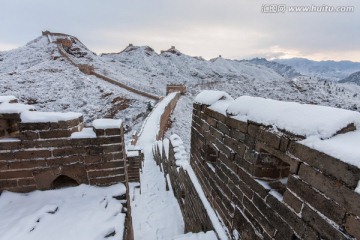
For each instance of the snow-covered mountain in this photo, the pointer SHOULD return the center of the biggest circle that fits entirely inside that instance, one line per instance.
(353, 78)
(282, 69)
(37, 74)
(330, 70)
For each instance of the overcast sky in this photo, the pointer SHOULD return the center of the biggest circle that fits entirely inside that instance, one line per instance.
(233, 28)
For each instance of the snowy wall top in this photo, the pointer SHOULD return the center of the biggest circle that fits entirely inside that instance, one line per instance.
(107, 123)
(6, 99)
(209, 97)
(333, 131)
(35, 117)
(300, 119)
(10, 108)
(180, 155)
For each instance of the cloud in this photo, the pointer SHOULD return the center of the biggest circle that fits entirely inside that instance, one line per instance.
(234, 29)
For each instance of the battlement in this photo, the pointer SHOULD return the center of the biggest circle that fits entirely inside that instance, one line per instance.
(273, 169)
(175, 88)
(45, 150)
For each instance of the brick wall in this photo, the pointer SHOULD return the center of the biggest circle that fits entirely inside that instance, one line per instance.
(264, 184)
(165, 117)
(194, 213)
(135, 158)
(37, 155)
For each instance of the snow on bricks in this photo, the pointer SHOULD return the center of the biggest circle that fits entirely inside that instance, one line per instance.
(45, 150)
(194, 213)
(276, 169)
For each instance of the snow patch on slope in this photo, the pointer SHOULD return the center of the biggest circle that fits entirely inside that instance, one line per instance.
(82, 212)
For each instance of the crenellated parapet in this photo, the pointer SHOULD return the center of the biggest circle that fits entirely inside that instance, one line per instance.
(275, 169)
(45, 150)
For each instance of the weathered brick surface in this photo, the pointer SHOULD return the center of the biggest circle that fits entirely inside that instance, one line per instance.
(45, 151)
(326, 206)
(295, 203)
(134, 165)
(332, 188)
(323, 227)
(352, 226)
(317, 200)
(344, 172)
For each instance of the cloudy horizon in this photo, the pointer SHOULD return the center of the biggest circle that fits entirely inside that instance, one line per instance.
(207, 28)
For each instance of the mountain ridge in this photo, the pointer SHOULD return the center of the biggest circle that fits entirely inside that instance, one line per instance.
(38, 73)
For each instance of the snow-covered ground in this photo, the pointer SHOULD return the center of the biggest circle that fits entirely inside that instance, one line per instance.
(156, 213)
(82, 213)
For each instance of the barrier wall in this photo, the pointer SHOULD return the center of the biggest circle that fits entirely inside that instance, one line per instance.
(165, 117)
(194, 213)
(265, 184)
(135, 159)
(55, 149)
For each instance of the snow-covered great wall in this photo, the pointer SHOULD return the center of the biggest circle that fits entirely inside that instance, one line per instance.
(269, 169)
(258, 168)
(64, 41)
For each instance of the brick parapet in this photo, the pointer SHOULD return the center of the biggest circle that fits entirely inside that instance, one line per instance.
(194, 213)
(135, 159)
(39, 152)
(265, 184)
(165, 117)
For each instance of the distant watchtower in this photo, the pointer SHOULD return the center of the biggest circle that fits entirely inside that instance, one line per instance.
(175, 88)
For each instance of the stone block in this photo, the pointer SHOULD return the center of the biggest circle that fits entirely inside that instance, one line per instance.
(105, 172)
(302, 230)
(352, 225)
(237, 124)
(59, 133)
(328, 165)
(10, 145)
(295, 203)
(26, 164)
(223, 128)
(332, 188)
(36, 154)
(269, 138)
(7, 184)
(61, 152)
(326, 206)
(252, 183)
(253, 129)
(321, 225)
(29, 135)
(291, 161)
(6, 175)
(214, 114)
(112, 131)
